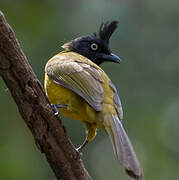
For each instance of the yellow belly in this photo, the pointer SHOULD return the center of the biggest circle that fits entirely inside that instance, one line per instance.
(77, 108)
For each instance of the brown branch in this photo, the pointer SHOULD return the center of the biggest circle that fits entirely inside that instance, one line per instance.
(34, 107)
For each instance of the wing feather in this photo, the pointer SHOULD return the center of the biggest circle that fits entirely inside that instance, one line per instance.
(80, 77)
(117, 101)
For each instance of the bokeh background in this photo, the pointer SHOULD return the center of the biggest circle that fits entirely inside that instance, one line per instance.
(147, 40)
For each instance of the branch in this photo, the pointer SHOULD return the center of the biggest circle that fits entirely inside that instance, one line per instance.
(49, 134)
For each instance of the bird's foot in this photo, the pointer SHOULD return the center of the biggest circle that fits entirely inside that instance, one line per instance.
(79, 149)
(56, 106)
(79, 153)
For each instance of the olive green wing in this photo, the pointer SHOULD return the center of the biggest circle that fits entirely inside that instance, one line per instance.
(82, 78)
(117, 101)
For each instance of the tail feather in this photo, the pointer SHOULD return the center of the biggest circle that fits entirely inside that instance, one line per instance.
(123, 147)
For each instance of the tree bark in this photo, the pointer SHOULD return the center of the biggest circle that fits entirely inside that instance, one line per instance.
(49, 134)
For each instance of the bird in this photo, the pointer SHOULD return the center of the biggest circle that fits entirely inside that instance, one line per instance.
(78, 88)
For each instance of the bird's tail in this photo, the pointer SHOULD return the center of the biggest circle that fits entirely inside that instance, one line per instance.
(123, 147)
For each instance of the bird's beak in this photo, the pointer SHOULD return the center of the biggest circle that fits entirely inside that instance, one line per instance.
(111, 57)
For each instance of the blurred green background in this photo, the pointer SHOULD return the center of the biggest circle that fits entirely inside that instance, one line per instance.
(147, 41)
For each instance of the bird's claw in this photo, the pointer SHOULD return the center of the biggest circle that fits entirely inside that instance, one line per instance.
(56, 106)
(79, 152)
(56, 113)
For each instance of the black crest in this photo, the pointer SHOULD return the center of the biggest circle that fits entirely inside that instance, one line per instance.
(106, 30)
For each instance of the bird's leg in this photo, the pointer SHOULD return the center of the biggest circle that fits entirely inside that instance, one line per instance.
(80, 148)
(56, 106)
(90, 132)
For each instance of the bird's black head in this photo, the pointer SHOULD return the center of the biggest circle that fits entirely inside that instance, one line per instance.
(95, 47)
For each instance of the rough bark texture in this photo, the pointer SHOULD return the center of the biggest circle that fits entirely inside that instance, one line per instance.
(35, 109)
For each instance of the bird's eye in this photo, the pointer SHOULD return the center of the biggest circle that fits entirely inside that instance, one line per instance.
(94, 46)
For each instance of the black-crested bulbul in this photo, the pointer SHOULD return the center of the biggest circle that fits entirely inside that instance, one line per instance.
(81, 90)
